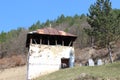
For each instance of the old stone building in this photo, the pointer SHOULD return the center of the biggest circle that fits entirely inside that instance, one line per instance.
(49, 50)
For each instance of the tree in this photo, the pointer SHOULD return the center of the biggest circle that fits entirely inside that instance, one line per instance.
(60, 19)
(47, 23)
(35, 26)
(105, 28)
(116, 12)
(2, 37)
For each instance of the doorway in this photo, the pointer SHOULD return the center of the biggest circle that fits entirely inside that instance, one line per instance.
(65, 63)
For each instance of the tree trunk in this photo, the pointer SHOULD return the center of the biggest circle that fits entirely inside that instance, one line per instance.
(110, 53)
(92, 41)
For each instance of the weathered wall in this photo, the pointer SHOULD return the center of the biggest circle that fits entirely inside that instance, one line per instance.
(45, 59)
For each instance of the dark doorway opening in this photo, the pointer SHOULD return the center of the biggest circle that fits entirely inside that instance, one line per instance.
(64, 63)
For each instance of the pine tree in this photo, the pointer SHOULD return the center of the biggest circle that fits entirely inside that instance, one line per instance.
(35, 26)
(105, 27)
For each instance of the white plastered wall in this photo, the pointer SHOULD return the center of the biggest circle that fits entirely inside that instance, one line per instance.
(45, 59)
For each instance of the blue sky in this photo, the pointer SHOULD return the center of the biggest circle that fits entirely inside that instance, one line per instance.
(23, 13)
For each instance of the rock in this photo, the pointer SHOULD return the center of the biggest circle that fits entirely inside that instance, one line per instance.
(99, 62)
(91, 62)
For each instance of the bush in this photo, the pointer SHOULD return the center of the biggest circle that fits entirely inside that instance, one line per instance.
(15, 60)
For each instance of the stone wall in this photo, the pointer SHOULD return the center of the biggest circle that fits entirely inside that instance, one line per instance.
(45, 59)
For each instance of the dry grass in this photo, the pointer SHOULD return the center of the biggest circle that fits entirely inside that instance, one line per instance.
(17, 73)
(15, 60)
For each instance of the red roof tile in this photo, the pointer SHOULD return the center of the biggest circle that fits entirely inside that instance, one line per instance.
(52, 31)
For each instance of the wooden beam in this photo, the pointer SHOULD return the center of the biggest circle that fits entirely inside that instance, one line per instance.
(35, 41)
(31, 41)
(70, 43)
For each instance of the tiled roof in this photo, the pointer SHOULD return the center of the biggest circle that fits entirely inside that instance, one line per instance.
(52, 31)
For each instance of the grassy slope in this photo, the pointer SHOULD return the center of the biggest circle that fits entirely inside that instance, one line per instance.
(105, 71)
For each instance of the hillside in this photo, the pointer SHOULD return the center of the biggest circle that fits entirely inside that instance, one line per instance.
(98, 37)
(12, 43)
(105, 72)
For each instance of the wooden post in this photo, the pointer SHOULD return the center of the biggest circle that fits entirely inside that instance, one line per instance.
(63, 43)
(31, 41)
(40, 41)
(56, 42)
(48, 42)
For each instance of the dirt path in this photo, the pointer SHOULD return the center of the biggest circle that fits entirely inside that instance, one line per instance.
(18, 73)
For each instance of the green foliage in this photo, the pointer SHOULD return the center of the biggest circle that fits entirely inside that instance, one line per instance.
(35, 26)
(82, 16)
(60, 19)
(39, 25)
(105, 27)
(116, 12)
(14, 40)
(2, 37)
(66, 30)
